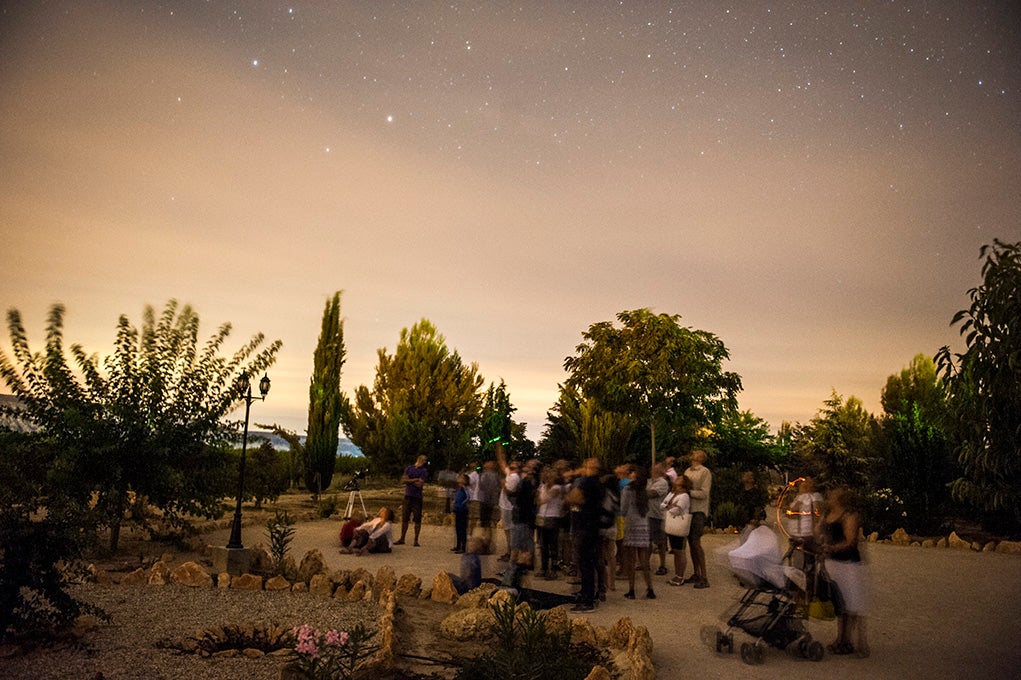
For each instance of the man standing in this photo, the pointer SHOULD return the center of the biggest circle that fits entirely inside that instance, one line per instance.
(413, 479)
(587, 497)
(701, 485)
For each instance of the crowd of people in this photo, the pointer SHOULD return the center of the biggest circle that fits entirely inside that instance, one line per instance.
(602, 526)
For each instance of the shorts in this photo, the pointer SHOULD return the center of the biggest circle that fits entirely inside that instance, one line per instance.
(677, 542)
(412, 508)
(697, 525)
(657, 536)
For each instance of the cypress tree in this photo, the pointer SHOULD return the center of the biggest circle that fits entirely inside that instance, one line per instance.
(324, 400)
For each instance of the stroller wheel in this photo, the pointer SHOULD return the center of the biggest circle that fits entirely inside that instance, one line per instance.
(750, 654)
(721, 640)
(815, 650)
(759, 650)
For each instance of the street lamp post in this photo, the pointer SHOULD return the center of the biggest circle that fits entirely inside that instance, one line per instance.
(244, 388)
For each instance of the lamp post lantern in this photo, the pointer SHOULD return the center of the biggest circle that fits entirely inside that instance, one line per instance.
(244, 387)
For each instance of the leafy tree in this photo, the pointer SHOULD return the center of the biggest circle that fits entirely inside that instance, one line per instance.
(151, 427)
(743, 440)
(916, 447)
(325, 400)
(497, 424)
(266, 474)
(984, 386)
(656, 371)
(577, 429)
(424, 400)
(838, 444)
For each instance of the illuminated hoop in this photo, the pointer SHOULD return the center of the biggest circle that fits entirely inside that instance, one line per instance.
(782, 512)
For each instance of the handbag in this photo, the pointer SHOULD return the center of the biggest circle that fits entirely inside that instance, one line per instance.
(677, 525)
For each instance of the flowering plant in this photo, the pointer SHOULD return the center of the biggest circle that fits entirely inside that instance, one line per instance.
(333, 654)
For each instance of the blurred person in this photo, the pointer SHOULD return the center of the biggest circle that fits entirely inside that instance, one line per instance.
(634, 505)
(414, 480)
(489, 497)
(806, 510)
(587, 498)
(751, 499)
(676, 503)
(840, 531)
(607, 577)
(670, 463)
(461, 514)
(701, 486)
(347, 530)
(549, 519)
(657, 488)
(511, 479)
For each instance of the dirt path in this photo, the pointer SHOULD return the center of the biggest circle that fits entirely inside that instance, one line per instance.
(938, 613)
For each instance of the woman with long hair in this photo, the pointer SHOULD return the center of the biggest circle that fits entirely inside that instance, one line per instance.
(840, 528)
(634, 506)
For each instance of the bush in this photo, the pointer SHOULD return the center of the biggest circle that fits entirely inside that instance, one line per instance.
(726, 515)
(281, 532)
(265, 474)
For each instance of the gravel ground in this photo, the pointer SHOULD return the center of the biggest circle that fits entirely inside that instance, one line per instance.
(145, 616)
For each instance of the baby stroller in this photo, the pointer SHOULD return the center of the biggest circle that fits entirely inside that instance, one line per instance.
(768, 611)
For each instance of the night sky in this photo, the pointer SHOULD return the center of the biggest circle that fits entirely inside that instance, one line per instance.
(809, 181)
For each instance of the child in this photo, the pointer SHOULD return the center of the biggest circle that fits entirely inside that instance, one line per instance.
(461, 514)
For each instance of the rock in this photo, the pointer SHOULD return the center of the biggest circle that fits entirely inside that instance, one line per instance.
(341, 592)
(246, 582)
(409, 585)
(641, 669)
(928, 543)
(916, 544)
(640, 643)
(900, 537)
(620, 632)
(135, 578)
(500, 598)
(277, 583)
(358, 591)
(191, 574)
(290, 568)
(361, 574)
(582, 631)
(299, 587)
(261, 561)
(384, 582)
(321, 585)
(443, 589)
(253, 653)
(941, 543)
(159, 574)
(976, 546)
(425, 594)
(223, 580)
(469, 624)
(1009, 547)
(958, 543)
(167, 557)
(873, 537)
(989, 547)
(311, 564)
(599, 673)
(557, 619)
(476, 598)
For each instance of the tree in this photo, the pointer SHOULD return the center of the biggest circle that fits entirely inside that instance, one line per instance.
(656, 371)
(984, 384)
(497, 425)
(266, 476)
(838, 444)
(325, 401)
(150, 427)
(743, 440)
(424, 400)
(916, 448)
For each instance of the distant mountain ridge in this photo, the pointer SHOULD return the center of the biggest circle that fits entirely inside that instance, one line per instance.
(345, 447)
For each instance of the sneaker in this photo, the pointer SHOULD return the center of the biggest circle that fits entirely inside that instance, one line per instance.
(676, 581)
(691, 579)
(583, 607)
(417, 545)
(702, 584)
(602, 597)
(661, 571)
(629, 595)
(649, 595)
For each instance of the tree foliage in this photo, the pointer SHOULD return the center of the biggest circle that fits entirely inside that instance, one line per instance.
(147, 422)
(498, 425)
(918, 466)
(325, 401)
(984, 384)
(838, 444)
(424, 400)
(655, 370)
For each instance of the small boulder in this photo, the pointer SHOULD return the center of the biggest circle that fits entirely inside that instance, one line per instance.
(311, 564)
(469, 624)
(443, 589)
(942, 543)
(159, 574)
(958, 543)
(900, 537)
(277, 583)
(620, 632)
(873, 537)
(557, 619)
(191, 574)
(384, 582)
(1009, 547)
(299, 587)
(357, 591)
(223, 581)
(246, 582)
(583, 632)
(409, 585)
(599, 673)
(290, 568)
(135, 578)
(989, 547)
(476, 598)
(261, 561)
(928, 543)
(321, 585)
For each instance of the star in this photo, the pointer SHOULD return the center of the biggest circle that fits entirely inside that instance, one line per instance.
(390, 119)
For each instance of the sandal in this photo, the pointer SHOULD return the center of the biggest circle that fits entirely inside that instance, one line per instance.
(676, 581)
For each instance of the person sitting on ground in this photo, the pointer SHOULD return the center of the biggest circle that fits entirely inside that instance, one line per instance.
(374, 536)
(347, 530)
(471, 566)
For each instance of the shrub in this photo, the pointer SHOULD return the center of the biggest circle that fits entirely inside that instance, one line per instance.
(281, 532)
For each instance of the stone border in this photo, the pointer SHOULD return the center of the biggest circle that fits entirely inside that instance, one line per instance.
(628, 645)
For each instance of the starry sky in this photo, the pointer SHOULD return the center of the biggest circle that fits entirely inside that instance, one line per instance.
(810, 181)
